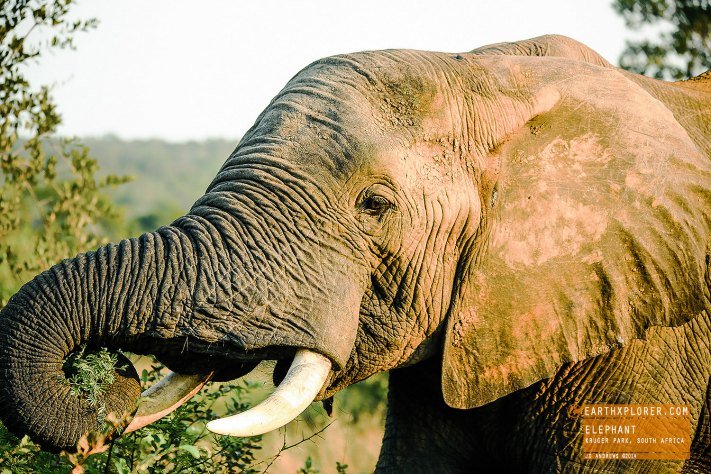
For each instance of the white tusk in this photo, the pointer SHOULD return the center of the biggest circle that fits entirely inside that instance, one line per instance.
(302, 383)
(165, 396)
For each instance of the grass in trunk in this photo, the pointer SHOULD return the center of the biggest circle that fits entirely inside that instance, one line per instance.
(89, 375)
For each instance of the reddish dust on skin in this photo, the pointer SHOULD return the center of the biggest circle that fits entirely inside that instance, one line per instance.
(516, 362)
(537, 324)
(553, 223)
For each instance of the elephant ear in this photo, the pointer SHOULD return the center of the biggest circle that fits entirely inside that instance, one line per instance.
(595, 228)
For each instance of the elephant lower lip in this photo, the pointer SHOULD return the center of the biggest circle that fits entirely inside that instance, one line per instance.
(234, 365)
(228, 361)
(234, 371)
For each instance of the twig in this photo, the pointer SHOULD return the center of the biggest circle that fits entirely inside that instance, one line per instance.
(133, 449)
(193, 466)
(108, 459)
(317, 433)
(285, 447)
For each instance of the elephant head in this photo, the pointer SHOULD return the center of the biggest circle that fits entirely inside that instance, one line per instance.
(508, 214)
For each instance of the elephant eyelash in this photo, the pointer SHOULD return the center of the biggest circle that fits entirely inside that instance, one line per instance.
(375, 205)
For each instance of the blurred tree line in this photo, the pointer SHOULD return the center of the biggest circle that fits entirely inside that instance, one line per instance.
(166, 177)
(44, 215)
(680, 43)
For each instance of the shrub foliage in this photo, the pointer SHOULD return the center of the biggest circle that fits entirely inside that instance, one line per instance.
(682, 47)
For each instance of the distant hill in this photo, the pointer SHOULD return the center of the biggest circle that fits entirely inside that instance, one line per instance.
(168, 177)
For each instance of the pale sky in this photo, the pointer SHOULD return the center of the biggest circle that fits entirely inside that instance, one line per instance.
(182, 70)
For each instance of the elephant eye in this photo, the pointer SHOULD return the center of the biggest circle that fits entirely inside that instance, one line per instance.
(375, 205)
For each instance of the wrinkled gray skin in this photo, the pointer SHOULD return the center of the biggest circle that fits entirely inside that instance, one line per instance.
(515, 230)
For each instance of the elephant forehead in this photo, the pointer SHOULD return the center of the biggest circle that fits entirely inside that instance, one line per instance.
(322, 138)
(348, 145)
(351, 108)
(381, 87)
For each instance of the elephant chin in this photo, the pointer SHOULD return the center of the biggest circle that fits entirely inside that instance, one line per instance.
(302, 383)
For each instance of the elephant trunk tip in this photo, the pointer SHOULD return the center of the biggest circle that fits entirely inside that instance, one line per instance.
(57, 400)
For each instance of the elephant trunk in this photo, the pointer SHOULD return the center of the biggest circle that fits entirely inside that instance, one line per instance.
(231, 283)
(112, 297)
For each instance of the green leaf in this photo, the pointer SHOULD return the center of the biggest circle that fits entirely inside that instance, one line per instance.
(194, 450)
(122, 466)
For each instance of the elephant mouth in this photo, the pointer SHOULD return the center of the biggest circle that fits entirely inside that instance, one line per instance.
(298, 382)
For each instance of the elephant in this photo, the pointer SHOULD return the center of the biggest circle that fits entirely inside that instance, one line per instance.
(511, 232)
